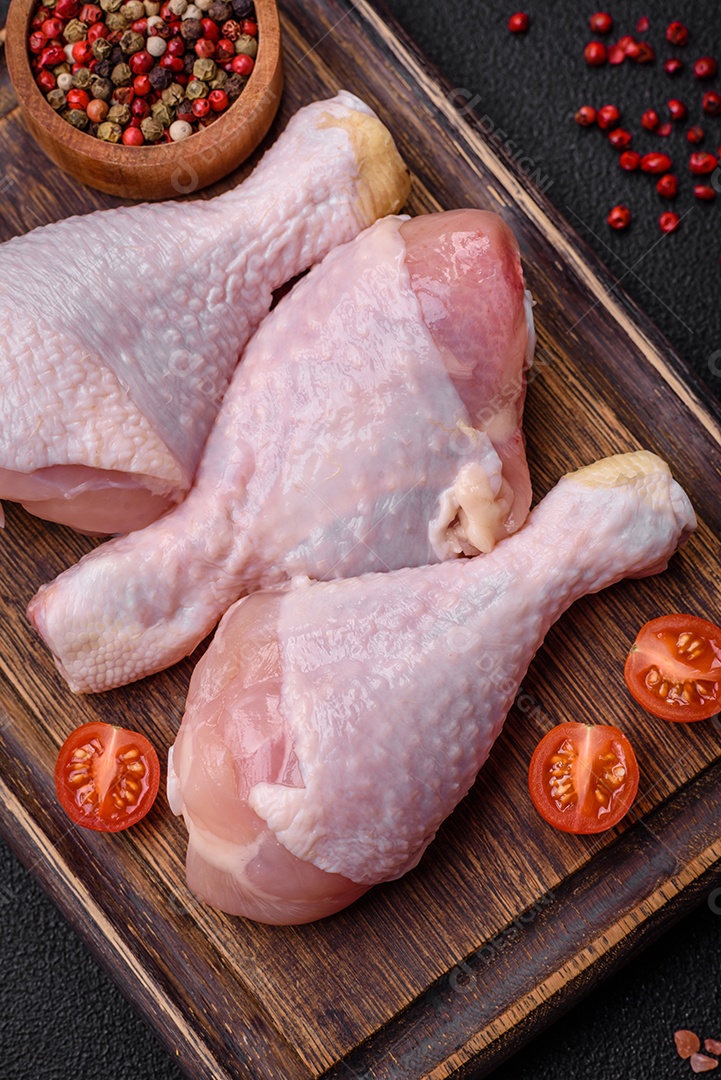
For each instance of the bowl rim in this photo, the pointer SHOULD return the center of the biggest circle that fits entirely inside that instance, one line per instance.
(252, 101)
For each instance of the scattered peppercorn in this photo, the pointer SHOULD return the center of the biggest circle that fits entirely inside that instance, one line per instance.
(643, 25)
(601, 23)
(616, 55)
(669, 221)
(517, 24)
(620, 139)
(608, 116)
(711, 103)
(677, 33)
(677, 109)
(619, 217)
(695, 134)
(656, 163)
(650, 120)
(644, 53)
(667, 186)
(704, 192)
(701, 163)
(595, 53)
(664, 130)
(629, 160)
(122, 70)
(705, 67)
(586, 116)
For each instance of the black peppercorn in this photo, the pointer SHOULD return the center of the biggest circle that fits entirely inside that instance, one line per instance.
(121, 75)
(117, 56)
(234, 86)
(101, 48)
(77, 117)
(103, 68)
(188, 62)
(191, 30)
(131, 42)
(160, 78)
(241, 8)
(219, 11)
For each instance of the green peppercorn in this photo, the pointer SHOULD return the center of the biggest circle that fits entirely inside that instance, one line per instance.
(121, 75)
(133, 9)
(57, 99)
(205, 69)
(164, 114)
(131, 42)
(116, 22)
(152, 129)
(247, 45)
(101, 88)
(111, 5)
(110, 132)
(75, 31)
(174, 93)
(196, 89)
(119, 114)
(77, 117)
(221, 78)
(101, 48)
(82, 78)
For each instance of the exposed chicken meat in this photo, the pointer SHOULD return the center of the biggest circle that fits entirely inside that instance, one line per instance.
(374, 423)
(330, 728)
(119, 331)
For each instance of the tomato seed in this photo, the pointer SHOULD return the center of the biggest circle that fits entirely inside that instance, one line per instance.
(702, 1063)
(687, 1043)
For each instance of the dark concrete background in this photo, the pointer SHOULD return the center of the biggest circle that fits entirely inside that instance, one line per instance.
(60, 1016)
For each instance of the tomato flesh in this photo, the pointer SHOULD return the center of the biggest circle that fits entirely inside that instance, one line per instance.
(106, 777)
(583, 779)
(674, 668)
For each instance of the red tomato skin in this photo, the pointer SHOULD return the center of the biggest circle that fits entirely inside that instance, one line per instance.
(127, 739)
(571, 821)
(649, 637)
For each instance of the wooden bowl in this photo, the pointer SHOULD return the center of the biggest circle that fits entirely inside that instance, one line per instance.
(167, 169)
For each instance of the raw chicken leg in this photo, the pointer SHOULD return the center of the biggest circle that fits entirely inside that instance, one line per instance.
(119, 331)
(330, 728)
(345, 444)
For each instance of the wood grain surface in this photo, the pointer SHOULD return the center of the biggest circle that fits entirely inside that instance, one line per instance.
(505, 922)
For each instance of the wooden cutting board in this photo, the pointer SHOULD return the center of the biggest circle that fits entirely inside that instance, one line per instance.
(505, 922)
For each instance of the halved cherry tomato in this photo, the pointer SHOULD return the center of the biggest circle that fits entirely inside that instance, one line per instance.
(106, 777)
(582, 778)
(674, 668)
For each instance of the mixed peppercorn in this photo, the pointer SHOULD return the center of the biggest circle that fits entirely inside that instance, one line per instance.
(142, 71)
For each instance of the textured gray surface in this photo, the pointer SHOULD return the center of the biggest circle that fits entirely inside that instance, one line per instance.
(61, 1017)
